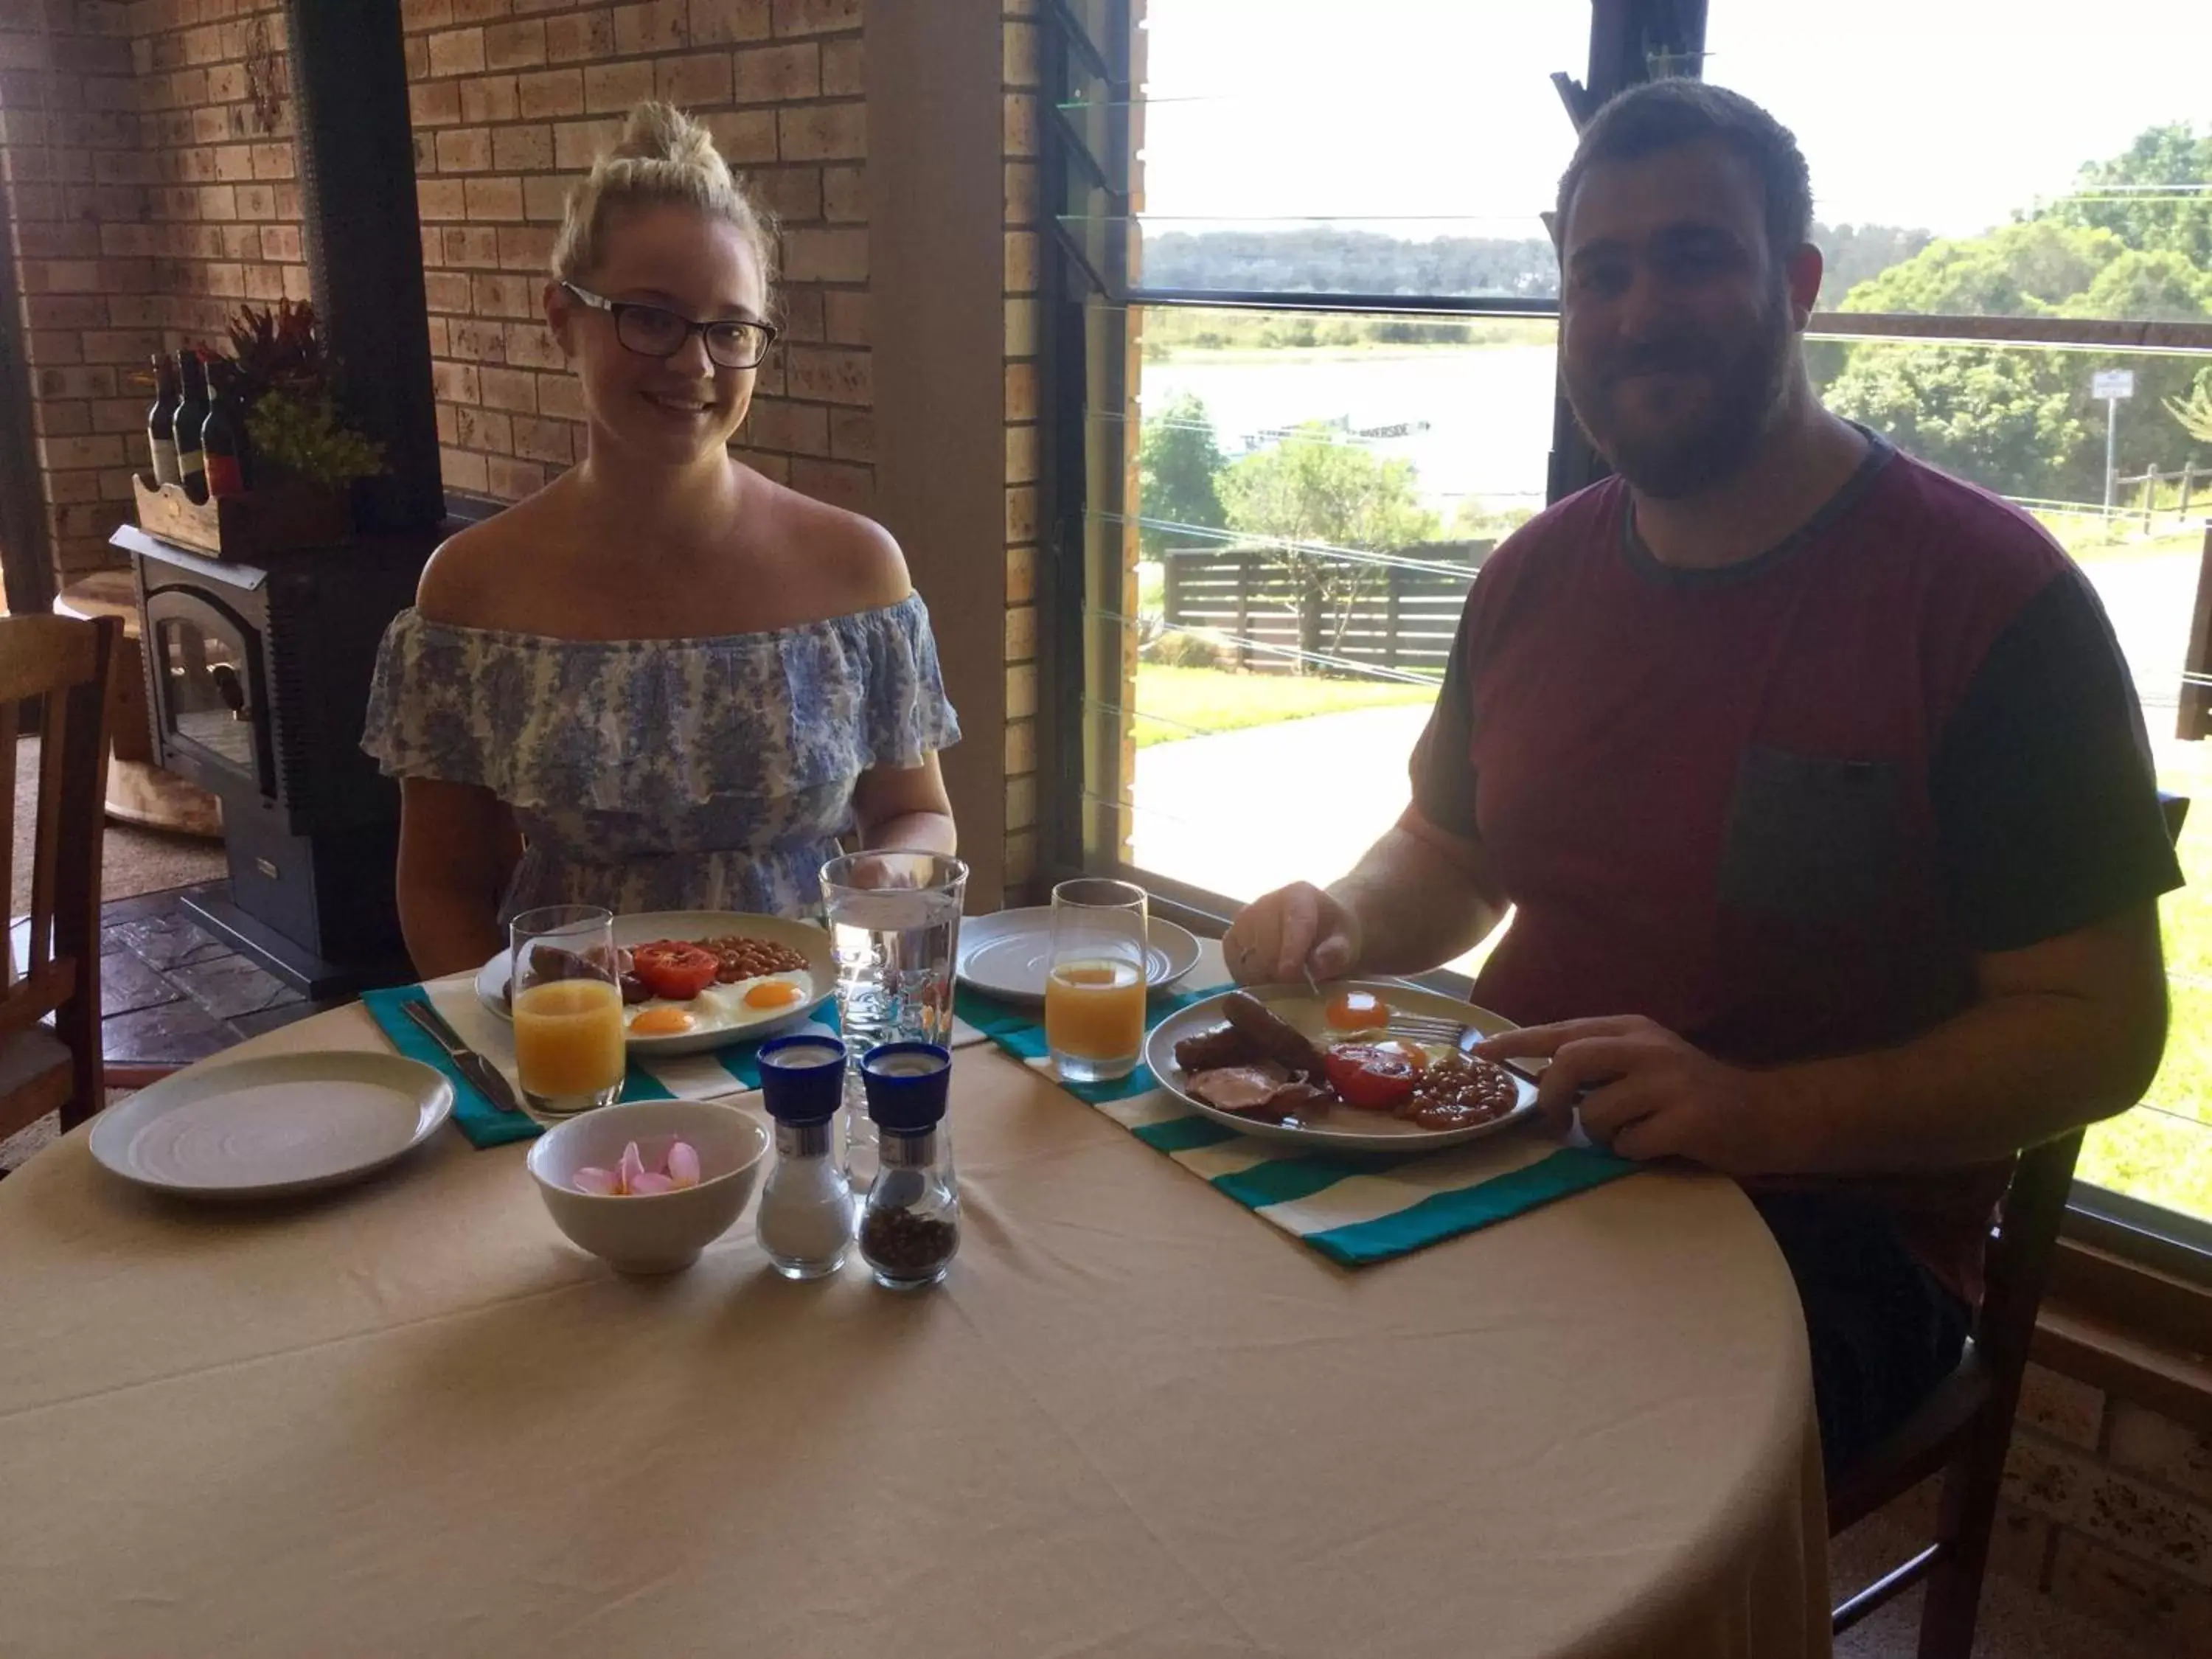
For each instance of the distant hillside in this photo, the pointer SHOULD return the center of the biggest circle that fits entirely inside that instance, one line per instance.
(1320, 259)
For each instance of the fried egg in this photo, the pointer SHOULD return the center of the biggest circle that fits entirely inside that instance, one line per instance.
(1325, 1023)
(746, 1002)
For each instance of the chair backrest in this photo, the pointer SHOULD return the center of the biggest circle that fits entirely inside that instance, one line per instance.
(2019, 1259)
(65, 663)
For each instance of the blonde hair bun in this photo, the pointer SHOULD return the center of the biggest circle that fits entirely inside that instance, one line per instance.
(663, 156)
(660, 132)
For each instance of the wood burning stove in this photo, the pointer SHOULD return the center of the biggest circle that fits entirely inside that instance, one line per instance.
(257, 674)
(256, 679)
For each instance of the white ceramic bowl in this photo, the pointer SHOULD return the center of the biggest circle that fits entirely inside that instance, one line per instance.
(660, 1232)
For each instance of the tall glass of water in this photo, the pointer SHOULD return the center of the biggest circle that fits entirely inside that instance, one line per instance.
(894, 927)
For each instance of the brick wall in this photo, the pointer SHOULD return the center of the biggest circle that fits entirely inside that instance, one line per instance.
(2108, 1508)
(511, 99)
(148, 196)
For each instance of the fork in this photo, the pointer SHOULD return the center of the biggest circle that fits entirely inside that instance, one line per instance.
(1456, 1035)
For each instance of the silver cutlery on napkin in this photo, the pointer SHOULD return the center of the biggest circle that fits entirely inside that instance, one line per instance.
(491, 1082)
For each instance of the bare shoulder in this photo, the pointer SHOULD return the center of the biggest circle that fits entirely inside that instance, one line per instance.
(472, 575)
(855, 557)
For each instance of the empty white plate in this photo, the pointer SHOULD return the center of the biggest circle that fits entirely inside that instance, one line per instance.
(265, 1128)
(1008, 953)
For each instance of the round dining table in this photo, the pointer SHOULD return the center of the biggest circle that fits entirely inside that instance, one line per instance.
(408, 1417)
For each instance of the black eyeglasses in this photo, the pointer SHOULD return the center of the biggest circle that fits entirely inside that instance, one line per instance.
(657, 331)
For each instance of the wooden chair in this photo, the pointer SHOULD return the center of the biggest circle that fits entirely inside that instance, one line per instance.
(1964, 1429)
(67, 666)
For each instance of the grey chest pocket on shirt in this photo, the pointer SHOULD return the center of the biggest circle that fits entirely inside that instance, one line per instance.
(1810, 838)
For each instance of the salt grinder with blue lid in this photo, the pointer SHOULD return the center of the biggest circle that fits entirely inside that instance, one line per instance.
(806, 1220)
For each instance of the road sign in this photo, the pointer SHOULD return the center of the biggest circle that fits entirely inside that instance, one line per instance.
(2112, 383)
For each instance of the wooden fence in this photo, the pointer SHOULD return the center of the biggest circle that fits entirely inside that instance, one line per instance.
(1400, 620)
(2188, 478)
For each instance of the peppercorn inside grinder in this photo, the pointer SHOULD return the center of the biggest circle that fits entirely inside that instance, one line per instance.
(910, 1226)
(804, 1224)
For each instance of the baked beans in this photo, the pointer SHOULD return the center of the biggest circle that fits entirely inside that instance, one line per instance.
(1456, 1092)
(749, 958)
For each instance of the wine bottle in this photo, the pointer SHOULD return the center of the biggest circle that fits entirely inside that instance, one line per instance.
(222, 434)
(162, 421)
(191, 415)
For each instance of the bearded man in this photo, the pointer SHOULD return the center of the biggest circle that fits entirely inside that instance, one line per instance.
(1812, 780)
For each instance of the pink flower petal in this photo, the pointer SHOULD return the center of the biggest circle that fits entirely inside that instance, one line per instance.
(650, 1185)
(631, 1167)
(683, 1163)
(591, 1178)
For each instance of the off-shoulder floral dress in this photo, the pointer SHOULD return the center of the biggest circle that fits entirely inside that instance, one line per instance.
(711, 774)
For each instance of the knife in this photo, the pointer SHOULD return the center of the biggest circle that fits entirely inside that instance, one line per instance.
(489, 1081)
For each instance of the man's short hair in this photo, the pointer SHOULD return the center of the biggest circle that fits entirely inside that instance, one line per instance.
(1662, 115)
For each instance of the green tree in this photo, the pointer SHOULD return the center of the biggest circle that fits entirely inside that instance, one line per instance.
(2162, 287)
(2016, 270)
(2004, 419)
(2143, 196)
(2023, 421)
(1316, 490)
(1850, 254)
(2193, 408)
(1179, 463)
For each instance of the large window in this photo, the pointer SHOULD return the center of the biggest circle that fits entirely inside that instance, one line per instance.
(2005, 247)
(1318, 309)
(1328, 388)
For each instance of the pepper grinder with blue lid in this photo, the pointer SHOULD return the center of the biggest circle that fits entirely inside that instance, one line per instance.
(910, 1226)
(804, 1223)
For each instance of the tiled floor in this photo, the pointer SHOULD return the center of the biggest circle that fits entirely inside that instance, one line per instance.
(2016, 1622)
(171, 992)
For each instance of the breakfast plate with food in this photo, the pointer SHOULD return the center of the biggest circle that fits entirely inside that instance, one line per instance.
(696, 980)
(1323, 1068)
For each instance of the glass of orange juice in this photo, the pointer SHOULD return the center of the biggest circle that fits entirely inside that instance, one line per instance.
(1094, 995)
(567, 1009)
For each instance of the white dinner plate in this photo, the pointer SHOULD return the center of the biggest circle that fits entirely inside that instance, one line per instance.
(1344, 1129)
(273, 1126)
(810, 941)
(1008, 953)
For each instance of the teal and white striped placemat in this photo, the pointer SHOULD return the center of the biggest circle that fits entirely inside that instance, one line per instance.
(1354, 1209)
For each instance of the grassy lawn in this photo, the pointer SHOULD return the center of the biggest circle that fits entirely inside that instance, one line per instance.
(1174, 703)
(2163, 1152)
(2091, 538)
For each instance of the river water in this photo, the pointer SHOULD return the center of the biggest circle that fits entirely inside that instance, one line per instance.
(1487, 410)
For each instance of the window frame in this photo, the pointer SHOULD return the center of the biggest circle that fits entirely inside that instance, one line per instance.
(1628, 41)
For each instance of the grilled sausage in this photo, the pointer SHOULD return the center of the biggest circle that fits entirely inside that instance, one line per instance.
(1224, 1045)
(1277, 1037)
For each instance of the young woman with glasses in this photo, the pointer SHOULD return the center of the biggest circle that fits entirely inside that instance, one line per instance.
(664, 682)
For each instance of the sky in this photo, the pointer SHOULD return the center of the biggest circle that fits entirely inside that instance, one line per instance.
(1408, 110)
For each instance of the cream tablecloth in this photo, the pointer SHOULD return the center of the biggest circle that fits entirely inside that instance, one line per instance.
(409, 1419)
